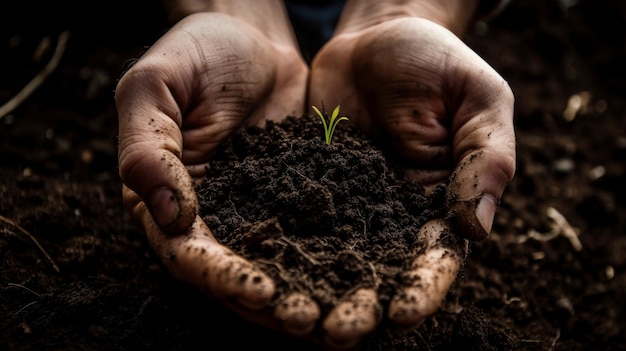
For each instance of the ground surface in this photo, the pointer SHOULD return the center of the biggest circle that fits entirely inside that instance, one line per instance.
(552, 276)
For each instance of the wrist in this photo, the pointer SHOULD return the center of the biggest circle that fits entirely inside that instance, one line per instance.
(455, 15)
(255, 13)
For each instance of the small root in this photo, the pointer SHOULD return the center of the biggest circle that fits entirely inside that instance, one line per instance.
(32, 238)
(232, 204)
(283, 274)
(300, 250)
(25, 307)
(25, 288)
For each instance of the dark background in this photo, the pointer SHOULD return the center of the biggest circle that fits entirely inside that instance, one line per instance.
(527, 287)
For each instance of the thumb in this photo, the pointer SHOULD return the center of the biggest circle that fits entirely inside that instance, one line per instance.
(474, 192)
(485, 147)
(150, 149)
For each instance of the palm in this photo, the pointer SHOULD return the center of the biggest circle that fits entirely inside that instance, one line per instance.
(212, 75)
(446, 113)
(411, 82)
(204, 79)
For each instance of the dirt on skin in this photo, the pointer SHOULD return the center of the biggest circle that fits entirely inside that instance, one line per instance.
(77, 274)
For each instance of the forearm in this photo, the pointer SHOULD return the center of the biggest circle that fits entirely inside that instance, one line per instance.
(268, 16)
(456, 15)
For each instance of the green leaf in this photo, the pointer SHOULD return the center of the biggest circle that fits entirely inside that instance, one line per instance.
(329, 127)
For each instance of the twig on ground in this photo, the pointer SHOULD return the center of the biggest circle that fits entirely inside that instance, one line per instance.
(25, 307)
(34, 240)
(25, 288)
(556, 338)
(559, 227)
(29, 88)
(29, 290)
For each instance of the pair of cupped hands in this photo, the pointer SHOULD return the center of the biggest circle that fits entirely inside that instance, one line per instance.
(445, 111)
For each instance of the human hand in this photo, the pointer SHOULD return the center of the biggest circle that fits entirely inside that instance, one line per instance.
(208, 76)
(448, 115)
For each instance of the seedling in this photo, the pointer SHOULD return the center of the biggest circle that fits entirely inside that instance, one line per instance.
(329, 123)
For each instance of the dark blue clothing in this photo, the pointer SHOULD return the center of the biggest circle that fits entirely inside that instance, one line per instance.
(314, 20)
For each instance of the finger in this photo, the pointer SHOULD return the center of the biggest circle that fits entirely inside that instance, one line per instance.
(199, 259)
(475, 189)
(150, 148)
(297, 314)
(435, 267)
(352, 319)
(484, 150)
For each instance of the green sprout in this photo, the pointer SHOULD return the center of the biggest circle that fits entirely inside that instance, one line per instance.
(329, 126)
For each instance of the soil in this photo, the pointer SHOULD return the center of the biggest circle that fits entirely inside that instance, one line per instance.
(77, 274)
(321, 219)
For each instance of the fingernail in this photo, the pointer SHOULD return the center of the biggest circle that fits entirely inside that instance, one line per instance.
(164, 206)
(485, 211)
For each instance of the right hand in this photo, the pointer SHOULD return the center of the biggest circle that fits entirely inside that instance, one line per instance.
(448, 116)
(208, 76)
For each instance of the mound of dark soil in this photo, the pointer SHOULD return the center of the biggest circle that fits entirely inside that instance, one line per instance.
(321, 219)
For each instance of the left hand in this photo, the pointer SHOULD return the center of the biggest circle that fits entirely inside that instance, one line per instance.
(449, 116)
(204, 79)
